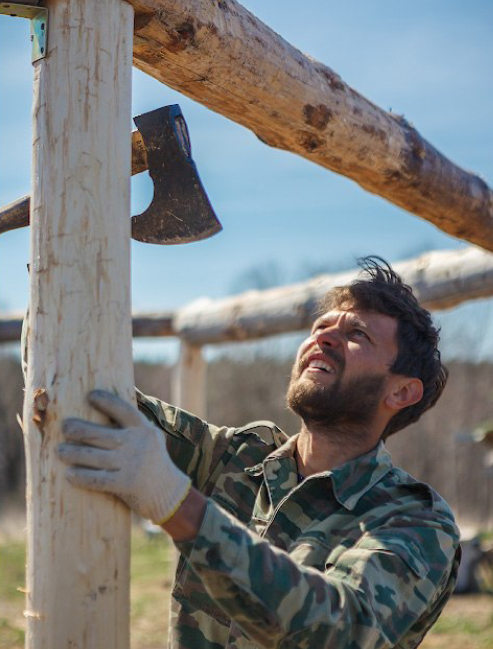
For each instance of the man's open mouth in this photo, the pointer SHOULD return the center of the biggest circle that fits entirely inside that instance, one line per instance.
(317, 364)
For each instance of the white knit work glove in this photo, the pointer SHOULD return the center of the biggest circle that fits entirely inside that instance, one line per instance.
(131, 461)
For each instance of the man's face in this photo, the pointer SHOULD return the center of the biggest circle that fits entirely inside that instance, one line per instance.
(341, 373)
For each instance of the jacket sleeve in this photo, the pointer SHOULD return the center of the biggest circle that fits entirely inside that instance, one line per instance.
(368, 598)
(195, 446)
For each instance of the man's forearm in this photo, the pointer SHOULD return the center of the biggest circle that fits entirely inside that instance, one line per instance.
(185, 524)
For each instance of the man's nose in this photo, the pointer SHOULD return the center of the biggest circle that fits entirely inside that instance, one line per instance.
(328, 337)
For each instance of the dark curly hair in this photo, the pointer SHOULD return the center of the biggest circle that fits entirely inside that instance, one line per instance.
(381, 290)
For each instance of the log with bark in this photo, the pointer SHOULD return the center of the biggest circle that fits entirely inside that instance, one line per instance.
(221, 55)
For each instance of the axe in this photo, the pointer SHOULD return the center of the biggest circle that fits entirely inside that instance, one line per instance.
(180, 211)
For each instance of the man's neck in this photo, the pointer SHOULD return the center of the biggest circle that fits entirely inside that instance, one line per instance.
(321, 451)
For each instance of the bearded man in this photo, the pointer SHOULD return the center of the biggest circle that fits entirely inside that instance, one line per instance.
(314, 540)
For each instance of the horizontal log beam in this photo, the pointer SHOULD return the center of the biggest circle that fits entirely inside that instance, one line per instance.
(11, 328)
(152, 325)
(222, 56)
(144, 325)
(440, 280)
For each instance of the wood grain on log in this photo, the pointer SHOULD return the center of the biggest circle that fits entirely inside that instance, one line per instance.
(79, 334)
(222, 56)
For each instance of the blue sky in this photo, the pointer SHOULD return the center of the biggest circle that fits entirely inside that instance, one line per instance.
(430, 61)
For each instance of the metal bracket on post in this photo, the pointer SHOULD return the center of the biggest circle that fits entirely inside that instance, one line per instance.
(38, 17)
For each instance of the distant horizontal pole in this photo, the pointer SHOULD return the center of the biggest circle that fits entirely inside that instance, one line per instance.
(440, 279)
(144, 325)
(10, 328)
(153, 325)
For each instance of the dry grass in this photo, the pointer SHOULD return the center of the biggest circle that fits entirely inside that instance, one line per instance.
(152, 568)
(467, 622)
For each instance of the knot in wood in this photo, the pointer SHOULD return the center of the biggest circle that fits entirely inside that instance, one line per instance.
(181, 37)
(40, 402)
(317, 116)
(141, 20)
(308, 141)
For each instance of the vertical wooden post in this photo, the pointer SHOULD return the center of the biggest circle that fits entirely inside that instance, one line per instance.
(189, 380)
(79, 325)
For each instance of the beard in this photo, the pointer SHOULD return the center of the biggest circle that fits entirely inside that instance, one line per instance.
(345, 408)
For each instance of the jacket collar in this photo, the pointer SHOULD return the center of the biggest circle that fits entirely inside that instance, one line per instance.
(352, 480)
(349, 482)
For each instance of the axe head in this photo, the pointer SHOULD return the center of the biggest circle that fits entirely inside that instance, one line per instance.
(180, 211)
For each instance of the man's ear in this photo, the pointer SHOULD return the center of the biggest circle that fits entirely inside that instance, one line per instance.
(405, 392)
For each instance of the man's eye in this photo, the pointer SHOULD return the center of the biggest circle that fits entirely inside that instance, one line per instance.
(360, 332)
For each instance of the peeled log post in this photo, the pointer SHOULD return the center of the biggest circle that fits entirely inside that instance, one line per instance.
(221, 55)
(79, 327)
(440, 280)
(189, 380)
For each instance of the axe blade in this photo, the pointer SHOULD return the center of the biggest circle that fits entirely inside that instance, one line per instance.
(180, 211)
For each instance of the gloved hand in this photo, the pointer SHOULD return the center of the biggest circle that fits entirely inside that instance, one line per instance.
(131, 462)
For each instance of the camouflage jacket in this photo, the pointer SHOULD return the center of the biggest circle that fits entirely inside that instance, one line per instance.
(361, 556)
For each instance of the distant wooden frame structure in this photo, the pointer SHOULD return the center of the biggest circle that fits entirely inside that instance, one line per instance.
(222, 56)
(440, 279)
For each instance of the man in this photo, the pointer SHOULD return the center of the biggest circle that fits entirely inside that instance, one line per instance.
(310, 541)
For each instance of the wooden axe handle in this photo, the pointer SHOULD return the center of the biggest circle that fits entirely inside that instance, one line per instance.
(16, 214)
